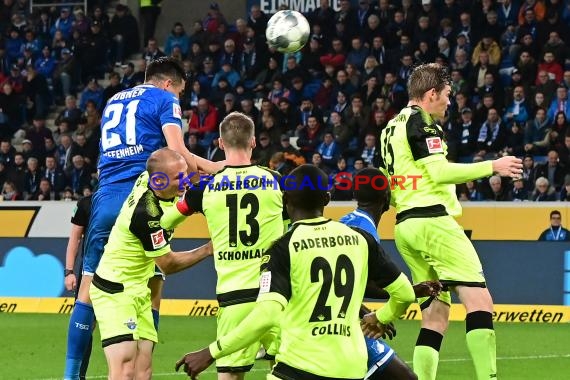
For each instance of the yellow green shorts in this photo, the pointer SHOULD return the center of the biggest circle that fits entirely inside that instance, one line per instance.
(122, 315)
(438, 249)
(229, 318)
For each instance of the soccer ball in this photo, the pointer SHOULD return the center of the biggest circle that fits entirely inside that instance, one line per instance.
(287, 31)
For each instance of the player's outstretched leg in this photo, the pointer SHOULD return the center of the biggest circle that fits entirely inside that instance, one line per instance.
(80, 330)
(435, 320)
(481, 340)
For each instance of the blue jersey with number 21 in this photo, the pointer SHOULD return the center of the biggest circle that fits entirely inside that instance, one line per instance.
(131, 129)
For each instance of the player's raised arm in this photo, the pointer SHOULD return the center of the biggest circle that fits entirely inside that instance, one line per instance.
(174, 262)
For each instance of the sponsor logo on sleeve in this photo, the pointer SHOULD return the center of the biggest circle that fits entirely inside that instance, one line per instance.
(265, 283)
(158, 240)
(176, 111)
(434, 145)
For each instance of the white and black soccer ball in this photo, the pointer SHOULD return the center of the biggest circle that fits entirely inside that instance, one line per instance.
(287, 31)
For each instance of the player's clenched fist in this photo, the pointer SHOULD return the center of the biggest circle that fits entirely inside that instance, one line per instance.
(508, 166)
(195, 362)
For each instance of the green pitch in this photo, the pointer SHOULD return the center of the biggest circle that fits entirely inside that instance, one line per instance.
(34, 348)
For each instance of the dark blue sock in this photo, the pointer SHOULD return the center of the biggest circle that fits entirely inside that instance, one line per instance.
(78, 337)
(155, 318)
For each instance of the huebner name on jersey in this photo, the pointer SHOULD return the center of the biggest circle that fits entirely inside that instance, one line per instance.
(325, 242)
(127, 94)
(241, 255)
(125, 152)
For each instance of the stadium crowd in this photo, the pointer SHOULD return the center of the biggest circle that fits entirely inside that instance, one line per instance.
(324, 105)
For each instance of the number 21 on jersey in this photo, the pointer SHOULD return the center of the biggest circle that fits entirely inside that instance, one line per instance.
(114, 115)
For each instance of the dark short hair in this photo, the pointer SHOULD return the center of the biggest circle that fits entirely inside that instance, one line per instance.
(555, 212)
(165, 68)
(366, 192)
(309, 188)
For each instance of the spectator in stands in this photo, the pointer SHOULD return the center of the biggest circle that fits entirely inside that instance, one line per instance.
(114, 87)
(64, 24)
(309, 137)
(46, 65)
(469, 192)
(37, 94)
(543, 192)
(553, 68)
(177, 37)
(336, 56)
(393, 91)
(10, 112)
(79, 175)
(547, 87)
(45, 192)
(558, 131)
(519, 193)
(7, 152)
(152, 51)
(10, 192)
(560, 104)
(32, 179)
(64, 74)
(279, 163)
(329, 150)
(71, 113)
(54, 175)
(552, 170)
(92, 92)
(264, 150)
(564, 150)
(499, 192)
(193, 146)
(517, 112)
(92, 52)
(555, 232)
(124, 34)
(204, 122)
(37, 135)
(537, 133)
(464, 135)
(492, 135)
(482, 112)
(514, 141)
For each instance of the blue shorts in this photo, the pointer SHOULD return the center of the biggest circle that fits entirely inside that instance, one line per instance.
(105, 207)
(379, 356)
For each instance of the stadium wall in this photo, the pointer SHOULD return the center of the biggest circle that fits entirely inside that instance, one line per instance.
(33, 240)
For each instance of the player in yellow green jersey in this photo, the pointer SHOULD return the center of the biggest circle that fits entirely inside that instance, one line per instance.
(312, 284)
(119, 290)
(431, 242)
(243, 206)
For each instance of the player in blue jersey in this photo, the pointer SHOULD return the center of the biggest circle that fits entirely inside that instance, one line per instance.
(383, 363)
(135, 123)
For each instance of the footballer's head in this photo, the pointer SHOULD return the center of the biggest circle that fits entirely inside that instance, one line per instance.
(371, 189)
(306, 192)
(166, 73)
(237, 132)
(164, 167)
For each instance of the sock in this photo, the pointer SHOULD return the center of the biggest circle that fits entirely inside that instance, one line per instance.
(155, 318)
(426, 354)
(482, 344)
(78, 337)
(85, 360)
